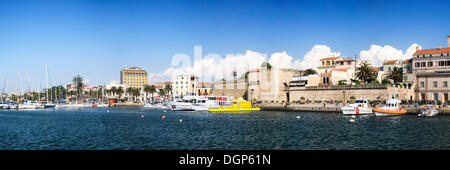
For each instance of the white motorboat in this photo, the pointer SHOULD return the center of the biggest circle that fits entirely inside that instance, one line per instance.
(392, 108)
(361, 106)
(180, 105)
(27, 105)
(149, 105)
(428, 113)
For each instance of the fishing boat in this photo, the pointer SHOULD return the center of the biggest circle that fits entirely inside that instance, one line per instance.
(361, 106)
(235, 106)
(428, 113)
(392, 108)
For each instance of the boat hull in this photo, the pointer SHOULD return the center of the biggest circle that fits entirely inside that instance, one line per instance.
(352, 111)
(233, 109)
(385, 112)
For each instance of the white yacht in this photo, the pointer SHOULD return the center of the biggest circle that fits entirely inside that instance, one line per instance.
(180, 105)
(361, 106)
(29, 105)
(199, 103)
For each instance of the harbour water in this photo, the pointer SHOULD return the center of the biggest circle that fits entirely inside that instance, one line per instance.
(127, 129)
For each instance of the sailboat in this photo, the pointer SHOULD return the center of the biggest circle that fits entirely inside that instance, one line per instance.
(47, 104)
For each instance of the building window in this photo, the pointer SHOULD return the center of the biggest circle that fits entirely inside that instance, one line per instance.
(430, 64)
(422, 84)
(417, 64)
(422, 64)
(434, 83)
(445, 84)
(389, 69)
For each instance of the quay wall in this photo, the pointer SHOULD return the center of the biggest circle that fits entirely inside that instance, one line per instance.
(332, 108)
(344, 93)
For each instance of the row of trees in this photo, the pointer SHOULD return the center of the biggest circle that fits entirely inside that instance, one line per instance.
(367, 74)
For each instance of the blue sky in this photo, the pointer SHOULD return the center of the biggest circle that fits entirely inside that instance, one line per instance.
(96, 38)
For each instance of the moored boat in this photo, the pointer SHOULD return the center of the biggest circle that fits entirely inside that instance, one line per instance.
(428, 113)
(392, 108)
(236, 106)
(361, 106)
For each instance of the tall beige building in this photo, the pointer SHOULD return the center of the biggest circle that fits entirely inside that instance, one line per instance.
(184, 85)
(432, 70)
(134, 77)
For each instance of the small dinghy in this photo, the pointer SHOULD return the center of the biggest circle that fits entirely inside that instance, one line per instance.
(428, 113)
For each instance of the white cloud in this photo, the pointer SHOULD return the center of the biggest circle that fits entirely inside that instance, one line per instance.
(377, 54)
(213, 68)
(313, 56)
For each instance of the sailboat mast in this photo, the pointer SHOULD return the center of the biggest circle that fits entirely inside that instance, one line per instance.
(46, 81)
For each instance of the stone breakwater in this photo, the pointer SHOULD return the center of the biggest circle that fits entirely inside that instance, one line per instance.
(332, 108)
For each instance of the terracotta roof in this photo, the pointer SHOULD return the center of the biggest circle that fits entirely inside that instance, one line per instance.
(340, 69)
(376, 68)
(431, 51)
(330, 58)
(390, 61)
(408, 60)
(168, 82)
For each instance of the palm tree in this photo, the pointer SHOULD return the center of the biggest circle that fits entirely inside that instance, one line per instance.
(244, 76)
(396, 74)
(135, 92)
(366, 73)
(113, 90)
(266, 65)
(310, 71)
(119, 92)
(78, 81)
(168, 89)
(129, 91)
(146, 91)
(161, 92)
(153, 91)
(234, 74)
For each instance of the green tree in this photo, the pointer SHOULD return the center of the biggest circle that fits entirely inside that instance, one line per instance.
(310, 71)
(396, 74)
(366, 73)
(266, 65)
(119, 92)
(162, 92)
(244, 76)
(78, 81)
(168, 89)
(386, 81)
(113, 90)
(342, 82)
(234, 74)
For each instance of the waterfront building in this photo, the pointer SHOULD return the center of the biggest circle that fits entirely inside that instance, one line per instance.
(204, 88)
(269, 84)
(134, 77)
(184, 84)
(405, 65)
(432, 70)
(117, 85)
(334, 69)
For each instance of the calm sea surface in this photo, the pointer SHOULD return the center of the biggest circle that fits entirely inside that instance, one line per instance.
(124, 129)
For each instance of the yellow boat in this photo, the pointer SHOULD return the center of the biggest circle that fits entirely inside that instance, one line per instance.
(237, 106)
